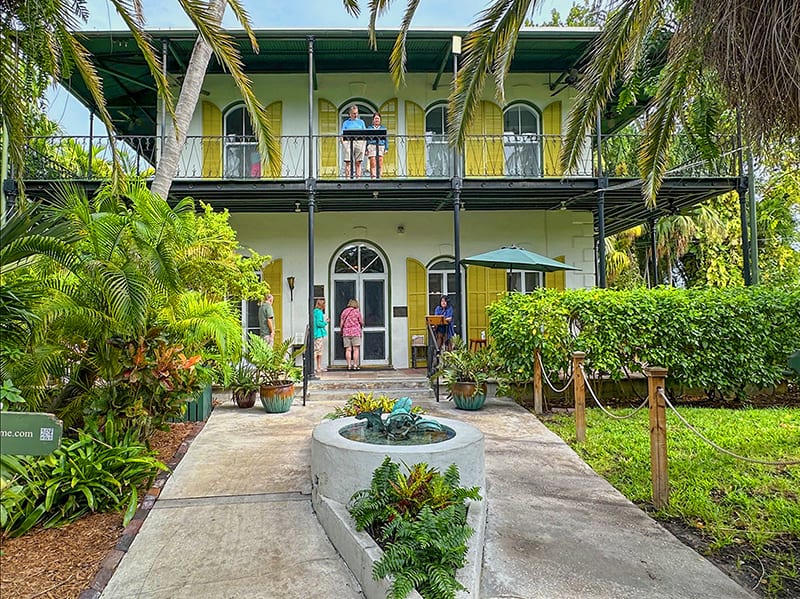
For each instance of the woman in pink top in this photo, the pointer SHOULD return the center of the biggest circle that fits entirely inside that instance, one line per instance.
(351, 324)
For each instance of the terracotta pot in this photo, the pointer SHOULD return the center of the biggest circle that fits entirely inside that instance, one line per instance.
(277, 399)
(467, 396)
(245, 400)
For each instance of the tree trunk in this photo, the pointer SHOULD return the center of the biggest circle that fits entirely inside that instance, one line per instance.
(187, 103)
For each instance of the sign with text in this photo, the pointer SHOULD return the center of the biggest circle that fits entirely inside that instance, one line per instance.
(29, 433)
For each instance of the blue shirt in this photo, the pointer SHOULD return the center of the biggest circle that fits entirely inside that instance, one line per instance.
(383, 141)
(353, 124)
(448, 329)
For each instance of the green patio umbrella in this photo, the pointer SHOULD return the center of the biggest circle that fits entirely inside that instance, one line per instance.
(515, 258)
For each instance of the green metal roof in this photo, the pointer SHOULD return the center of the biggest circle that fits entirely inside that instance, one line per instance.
(130, 90)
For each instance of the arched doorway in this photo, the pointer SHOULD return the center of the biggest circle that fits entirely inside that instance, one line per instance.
(360, 272)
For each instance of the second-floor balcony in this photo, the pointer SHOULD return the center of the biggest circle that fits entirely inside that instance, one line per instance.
(236, 158)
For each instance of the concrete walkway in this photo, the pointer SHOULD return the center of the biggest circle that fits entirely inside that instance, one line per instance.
(235, 520)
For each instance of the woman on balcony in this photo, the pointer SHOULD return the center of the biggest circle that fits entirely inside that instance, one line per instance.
(376, 147)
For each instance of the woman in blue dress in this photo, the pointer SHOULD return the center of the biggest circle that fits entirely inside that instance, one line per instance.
(444, 331)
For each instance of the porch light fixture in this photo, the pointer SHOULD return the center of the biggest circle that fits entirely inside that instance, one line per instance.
(290, 282)
(563, 205)
(297, 206)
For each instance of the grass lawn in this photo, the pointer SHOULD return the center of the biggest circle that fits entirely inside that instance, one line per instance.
(739, 508)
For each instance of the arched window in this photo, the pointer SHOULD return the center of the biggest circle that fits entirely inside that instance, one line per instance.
(441, 281)
(242, 159)
(436, 154)
(521, 141)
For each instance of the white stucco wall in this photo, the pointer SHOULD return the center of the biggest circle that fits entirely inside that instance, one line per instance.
(426, 236)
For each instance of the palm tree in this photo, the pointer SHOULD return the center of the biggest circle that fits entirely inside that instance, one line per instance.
(38, 44)
(213, 38)
(747, 48)
(124, 284)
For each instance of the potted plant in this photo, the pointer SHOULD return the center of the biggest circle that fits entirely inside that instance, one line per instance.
(276, 372)
(244, 385)
(465, 373)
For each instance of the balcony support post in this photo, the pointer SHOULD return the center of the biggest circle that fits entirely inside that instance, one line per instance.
(653, 221)
(164, 50)
(311, 173)
(91, 143)
(602, 184)
(459, 308)
(741, 189)
(309, 339)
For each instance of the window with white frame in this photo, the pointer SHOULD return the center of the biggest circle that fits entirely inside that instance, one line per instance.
(436, 149)
(521, 141)
(242, 160)
(250, 315)
(441, 281)
(524, 282)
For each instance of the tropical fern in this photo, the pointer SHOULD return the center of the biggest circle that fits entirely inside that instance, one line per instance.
(420, 521)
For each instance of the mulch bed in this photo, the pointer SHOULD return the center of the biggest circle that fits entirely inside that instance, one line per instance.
(78, 559)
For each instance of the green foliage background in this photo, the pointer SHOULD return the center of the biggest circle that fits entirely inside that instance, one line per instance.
(717, 339)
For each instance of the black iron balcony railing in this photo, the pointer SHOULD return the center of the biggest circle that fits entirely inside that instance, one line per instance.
(234, 157)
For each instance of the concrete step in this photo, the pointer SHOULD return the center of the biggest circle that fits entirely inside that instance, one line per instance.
(368, 384)
(342, 395)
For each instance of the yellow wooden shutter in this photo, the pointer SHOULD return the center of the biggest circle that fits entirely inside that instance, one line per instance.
(329, 139)
(417, 298)
(484, 146)
(212, 141)
(273, 274)
(415, 142)
(551, 128)
(558, 279)
(484, 286)
(388, 112)
(275, 116)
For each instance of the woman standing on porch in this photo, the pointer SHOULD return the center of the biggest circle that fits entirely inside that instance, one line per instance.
(352, 326)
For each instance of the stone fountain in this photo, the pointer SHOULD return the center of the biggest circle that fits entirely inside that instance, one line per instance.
(340, 466)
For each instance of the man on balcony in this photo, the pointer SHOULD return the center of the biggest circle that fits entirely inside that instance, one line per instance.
(353, 146)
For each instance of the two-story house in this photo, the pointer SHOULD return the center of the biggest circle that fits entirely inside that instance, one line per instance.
(392, 243)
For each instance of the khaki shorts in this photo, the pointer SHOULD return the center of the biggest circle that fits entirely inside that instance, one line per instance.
(319, 345)
(371, 150)
(351, 341)
(358, 149)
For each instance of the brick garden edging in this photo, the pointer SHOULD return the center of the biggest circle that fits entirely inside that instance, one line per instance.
(109, 565)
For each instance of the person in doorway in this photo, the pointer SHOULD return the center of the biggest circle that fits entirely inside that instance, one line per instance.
(376, 147)
(266, 320)
(356, 145)
(352, 326)
(320, 332)
(444, 332)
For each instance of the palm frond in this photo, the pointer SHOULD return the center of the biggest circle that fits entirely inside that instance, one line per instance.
(488, 47)
(677, 77)
(625, 31)
(397, 59)
(377, 8)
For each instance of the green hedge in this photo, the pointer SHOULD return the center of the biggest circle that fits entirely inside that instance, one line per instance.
(715, 339)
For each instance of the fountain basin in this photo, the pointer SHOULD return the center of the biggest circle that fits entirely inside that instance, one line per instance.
(340, 466)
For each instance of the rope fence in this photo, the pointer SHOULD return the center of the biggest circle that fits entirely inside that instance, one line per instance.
(717, 447)
(603, 408)
(658, 404)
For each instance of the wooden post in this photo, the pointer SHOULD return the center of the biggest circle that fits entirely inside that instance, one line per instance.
(658, 436)
(537, 382)
(580, 398)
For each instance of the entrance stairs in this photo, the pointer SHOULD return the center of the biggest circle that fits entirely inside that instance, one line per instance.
(340, 385)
